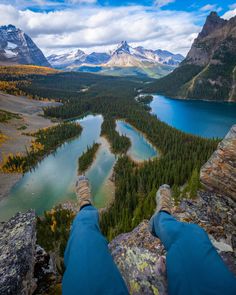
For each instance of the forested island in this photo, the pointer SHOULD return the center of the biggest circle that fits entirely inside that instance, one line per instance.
(86, 159)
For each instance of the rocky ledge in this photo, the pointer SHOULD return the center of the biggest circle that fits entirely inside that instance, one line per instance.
(17, 247)
(141, 257)
(26, 268)
(219, 173)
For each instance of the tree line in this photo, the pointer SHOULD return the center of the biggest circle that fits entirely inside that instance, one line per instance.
(182, 154)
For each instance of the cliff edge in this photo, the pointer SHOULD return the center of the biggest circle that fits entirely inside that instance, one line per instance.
(27, 269)
(219, 173)
(141, 257)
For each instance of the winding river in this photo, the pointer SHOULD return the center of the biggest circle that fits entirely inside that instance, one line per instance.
(52, 181)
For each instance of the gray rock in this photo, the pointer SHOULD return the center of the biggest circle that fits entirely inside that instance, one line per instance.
(17, 249)
(219, 173)
(203, 47)
(44, 271)
(141, 257)
(141, 260)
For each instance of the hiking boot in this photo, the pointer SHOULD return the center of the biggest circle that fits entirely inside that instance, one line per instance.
(83, 191)
(163, 199)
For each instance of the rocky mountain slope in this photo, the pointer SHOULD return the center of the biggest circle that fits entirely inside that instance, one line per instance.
(125, 55)
(123, 59)
(25, 267)
(18, 48)
(208, 71)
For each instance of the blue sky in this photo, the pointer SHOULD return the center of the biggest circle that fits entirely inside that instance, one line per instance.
(98, 25)
(179, 5)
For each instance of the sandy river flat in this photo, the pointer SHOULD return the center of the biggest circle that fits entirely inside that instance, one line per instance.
(30, 112)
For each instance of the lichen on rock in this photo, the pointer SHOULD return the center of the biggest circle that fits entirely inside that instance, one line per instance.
(141, 259)
(17, 248)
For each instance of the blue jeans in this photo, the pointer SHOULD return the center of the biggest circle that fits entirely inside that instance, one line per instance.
(193, 265)
(90, 268)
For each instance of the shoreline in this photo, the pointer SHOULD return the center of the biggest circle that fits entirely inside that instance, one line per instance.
(109, 184)
(159, 153)
(194, 99)
(94, 159)
(30, 112)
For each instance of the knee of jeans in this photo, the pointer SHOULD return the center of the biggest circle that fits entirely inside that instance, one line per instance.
(87, 215)
(155, 223)
(151, 227)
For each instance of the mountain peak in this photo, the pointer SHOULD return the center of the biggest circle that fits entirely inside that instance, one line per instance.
(213, 14)
(122, 56)
(9, 27)
(123, 47)
(213, 22)
(18, 48)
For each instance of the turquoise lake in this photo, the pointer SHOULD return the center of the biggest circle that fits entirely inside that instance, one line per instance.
(204, 118)
(140, 149)
(52, 181)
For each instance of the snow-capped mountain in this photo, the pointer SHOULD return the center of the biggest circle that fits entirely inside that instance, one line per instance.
(77, 58)
(125, 56)
(18, 48)
(161, 56)
(97, 58)
(67, 59)
(122, 56)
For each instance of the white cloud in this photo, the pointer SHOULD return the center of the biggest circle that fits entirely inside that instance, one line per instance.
(229, 14)
(102, 27)
(162, 3)
(208, 7)
(232, 6)
(82, 1)
(211, 7)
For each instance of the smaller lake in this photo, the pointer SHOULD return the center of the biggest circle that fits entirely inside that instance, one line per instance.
(140, 149)
(204, 118)
(52, 181)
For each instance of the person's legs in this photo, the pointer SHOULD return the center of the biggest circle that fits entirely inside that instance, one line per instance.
(166, 228)
(193, 264)
(90, 268)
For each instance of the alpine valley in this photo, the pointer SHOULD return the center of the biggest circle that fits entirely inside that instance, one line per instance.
(130, 120)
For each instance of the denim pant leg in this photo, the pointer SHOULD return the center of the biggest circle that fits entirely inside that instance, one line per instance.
(193, 265)
(90, 268)
(166, 228)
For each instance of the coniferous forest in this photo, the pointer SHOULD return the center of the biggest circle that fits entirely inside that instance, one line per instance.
(182, 154)
(86, 159)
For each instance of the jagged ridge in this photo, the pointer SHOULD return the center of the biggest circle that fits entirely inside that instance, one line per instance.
(208, 72)
(123, 60)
